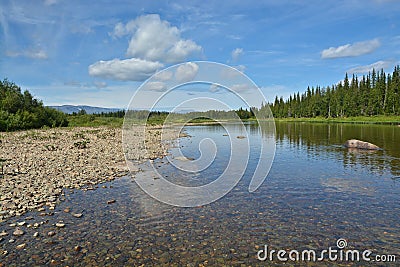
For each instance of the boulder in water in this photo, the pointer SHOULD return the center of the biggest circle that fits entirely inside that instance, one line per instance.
(354, 143)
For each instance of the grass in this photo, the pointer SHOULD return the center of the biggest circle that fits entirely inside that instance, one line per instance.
(94, 121)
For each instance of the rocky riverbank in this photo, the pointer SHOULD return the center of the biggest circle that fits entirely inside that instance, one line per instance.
(39, 164)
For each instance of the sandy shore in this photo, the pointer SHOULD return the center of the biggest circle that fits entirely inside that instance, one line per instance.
(41, 163)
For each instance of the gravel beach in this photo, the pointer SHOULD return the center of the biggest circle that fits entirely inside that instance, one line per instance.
(39, 164)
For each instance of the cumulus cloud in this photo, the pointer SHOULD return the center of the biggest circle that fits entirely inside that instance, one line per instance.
(163, 75)
(351, 50)
(186, 72)
(154, 39)
(132, 69)
(368, 68)
(236, 54)
(155, 86)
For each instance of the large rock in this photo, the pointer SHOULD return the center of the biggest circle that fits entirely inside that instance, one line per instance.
(354, 143)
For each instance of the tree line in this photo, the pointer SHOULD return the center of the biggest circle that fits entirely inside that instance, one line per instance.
(377, 93)
(20, 110)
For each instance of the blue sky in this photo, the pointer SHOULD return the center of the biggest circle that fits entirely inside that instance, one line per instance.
(99, 52)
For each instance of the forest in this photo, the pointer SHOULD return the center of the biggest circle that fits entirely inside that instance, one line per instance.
(377, 93)
(374, 94)
(20, 110)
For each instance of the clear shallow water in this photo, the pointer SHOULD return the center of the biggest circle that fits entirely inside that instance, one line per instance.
(316, 192)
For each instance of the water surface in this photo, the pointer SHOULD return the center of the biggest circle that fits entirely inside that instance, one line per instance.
(316, 192)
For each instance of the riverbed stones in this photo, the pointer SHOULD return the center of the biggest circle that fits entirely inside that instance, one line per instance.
(21, 246)
(18, 232)
(51, 233)
(60, 225)
(111, 201)
(35, 176)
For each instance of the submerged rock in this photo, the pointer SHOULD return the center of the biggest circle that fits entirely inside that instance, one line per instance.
(354, 143)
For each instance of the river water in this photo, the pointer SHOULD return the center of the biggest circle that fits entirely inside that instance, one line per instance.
(316, 192)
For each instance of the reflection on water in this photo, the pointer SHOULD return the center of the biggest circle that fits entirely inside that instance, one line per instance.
(326, 140)
(316, 192)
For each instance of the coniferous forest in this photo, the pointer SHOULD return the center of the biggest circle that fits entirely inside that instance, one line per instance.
(377, 93)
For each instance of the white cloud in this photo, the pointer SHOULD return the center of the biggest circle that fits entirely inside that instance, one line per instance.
(241, 88)
(214, 88)
(132, 69)
(100, 85)
(155, 86)
(154, 39)
(163, 75)
(236, 54)
(367, 68)
(232, 73)
(186, 72)
(35, 54)
(351, 50)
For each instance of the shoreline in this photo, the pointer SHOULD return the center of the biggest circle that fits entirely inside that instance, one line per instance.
(41, 164)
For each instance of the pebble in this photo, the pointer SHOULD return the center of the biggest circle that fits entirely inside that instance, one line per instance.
(36, 234)
(77, 215)
(66, 210)
(3, 233)
(21, 223)
(11, 241)
(111, 201)
(18, 232)
(51, 233)
(37, 176)
(21, 246)
(77, 248)
(60, 225)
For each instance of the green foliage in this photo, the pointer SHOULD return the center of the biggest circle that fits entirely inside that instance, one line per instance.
(19, 111)
(376, 94)
(93, 120)
(81, 144)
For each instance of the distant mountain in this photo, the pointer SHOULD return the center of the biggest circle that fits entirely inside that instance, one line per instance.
(69, 109)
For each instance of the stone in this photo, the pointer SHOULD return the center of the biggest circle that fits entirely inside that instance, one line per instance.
(60, 225)
(354, 143)
(240, 137)
(3, 233)
(21, 246)
(51, 233)
(36, 234)
(18, 232)
(77, 215)
(111, 201)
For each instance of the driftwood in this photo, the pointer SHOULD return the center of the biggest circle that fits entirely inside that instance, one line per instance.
(354, 143)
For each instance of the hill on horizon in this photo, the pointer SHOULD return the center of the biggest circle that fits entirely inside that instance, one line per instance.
(69, 109)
